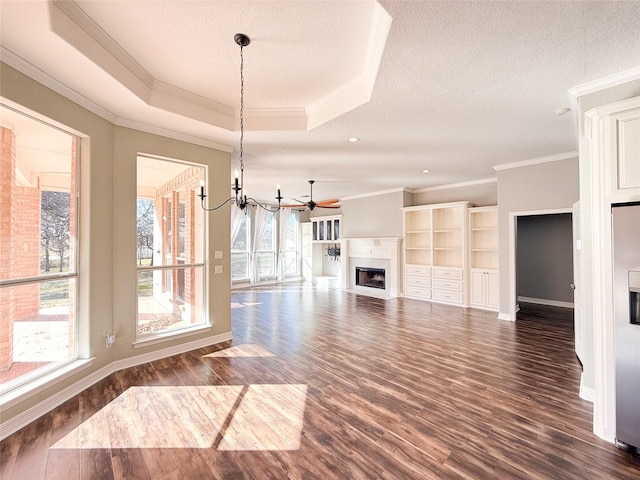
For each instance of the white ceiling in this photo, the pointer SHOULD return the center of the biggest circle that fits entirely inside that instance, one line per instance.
(454, 87)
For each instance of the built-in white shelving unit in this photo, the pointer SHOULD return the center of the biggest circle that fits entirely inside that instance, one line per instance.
(326, 243)
(435, 252)
(483, 258)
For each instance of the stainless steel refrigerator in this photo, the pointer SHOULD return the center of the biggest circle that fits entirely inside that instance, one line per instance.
(626, 291)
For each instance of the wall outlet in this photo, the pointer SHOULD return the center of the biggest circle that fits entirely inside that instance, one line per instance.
(110, 339)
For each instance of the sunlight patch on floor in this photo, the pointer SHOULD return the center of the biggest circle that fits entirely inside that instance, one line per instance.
(244, 350)
(226, 417)
(270, 417)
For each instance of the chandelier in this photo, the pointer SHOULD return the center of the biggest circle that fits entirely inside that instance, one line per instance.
(240, 198)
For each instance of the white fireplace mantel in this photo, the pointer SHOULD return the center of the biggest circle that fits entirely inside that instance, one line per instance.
(383, 252)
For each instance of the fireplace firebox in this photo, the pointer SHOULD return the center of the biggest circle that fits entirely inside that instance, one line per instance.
(370, 277)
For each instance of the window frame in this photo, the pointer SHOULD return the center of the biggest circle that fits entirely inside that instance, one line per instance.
(169, 237)
(274, 230)
(297, 248)
(246, 252)
(30, 382)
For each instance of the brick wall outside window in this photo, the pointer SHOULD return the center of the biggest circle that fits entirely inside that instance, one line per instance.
(19, 247)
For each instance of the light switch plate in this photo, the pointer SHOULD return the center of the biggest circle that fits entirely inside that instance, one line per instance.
(218, 254)
(218, 269)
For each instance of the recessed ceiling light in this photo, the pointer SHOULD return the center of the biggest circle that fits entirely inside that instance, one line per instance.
(426, 170)
(353, 140)
(562, 110)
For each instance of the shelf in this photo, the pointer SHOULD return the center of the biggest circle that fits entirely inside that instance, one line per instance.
(483, 229)
(444, 227)
(484, 249)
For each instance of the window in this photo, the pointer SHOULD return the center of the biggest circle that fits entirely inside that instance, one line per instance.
(170, 245)
(291, 248)
(240, 251)
(38, 247)
(266, 254)
(258, 236)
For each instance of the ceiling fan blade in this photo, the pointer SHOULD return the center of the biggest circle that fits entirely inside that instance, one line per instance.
(328, 202)
(295, 205)
(328, 206)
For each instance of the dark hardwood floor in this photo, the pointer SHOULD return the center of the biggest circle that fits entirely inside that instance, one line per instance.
(322, 384)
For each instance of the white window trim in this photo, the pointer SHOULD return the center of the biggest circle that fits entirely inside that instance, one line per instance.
(168, 336)
(29, 389)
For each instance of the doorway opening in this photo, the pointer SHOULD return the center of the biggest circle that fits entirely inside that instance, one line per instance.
(541, 259)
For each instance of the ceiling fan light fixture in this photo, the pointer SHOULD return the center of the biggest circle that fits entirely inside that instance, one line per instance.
(311, 205)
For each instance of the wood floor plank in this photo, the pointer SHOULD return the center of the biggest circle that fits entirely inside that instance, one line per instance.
(322, 384)
(31, 460)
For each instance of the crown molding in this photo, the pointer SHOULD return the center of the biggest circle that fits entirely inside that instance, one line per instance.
(605, 82)
(77, 28)
(470, 183)
(37, 75)
(536, 161)
(73, 12)
(375, 194)
(18, 63)
(163, 132)
(359, 90)
(73, 25)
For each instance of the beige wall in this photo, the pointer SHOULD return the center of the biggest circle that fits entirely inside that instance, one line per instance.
(107, 227)
(541, 187)
(483, 194)
(373, 216)
(128, 143)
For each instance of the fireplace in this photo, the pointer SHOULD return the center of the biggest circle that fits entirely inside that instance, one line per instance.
(371, 266)
(370, 277)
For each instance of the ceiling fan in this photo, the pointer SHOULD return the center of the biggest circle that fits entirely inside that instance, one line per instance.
(311, 204)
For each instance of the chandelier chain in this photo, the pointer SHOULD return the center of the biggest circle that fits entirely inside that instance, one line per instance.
(241, 106)
(240, 199)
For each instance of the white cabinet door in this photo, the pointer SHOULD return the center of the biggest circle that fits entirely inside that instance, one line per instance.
(628, 164)
(477, 288)
(485, 289)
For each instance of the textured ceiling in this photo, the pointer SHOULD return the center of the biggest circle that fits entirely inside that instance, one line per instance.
(455, 87)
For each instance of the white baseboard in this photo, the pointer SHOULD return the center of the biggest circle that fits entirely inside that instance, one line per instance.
(544, 301)
(586, 393)
(505, 316)
(23, 419)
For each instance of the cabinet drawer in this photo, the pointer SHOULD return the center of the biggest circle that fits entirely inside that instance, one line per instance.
(444, 284)
(418, 270)
(455, 273)
(451, 297)
(411, 280)
(417, 292)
